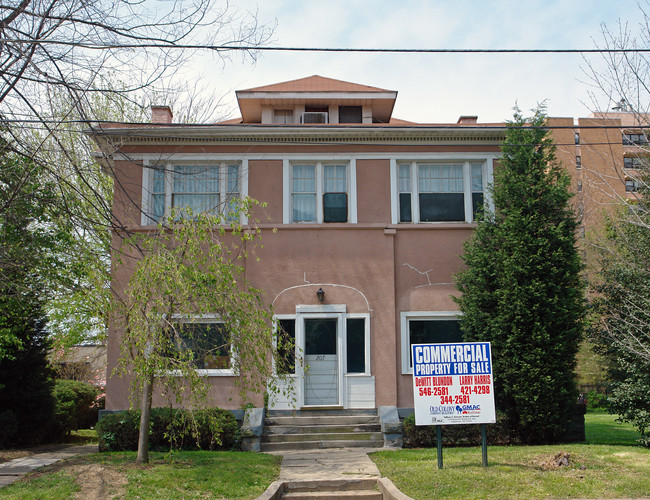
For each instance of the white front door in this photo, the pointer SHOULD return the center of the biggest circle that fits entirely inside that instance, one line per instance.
(321, 377)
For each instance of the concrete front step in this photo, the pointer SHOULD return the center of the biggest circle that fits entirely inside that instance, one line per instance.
(322, 420)
(333, 489)
(314, 436)
(322, 444)
(321, 429)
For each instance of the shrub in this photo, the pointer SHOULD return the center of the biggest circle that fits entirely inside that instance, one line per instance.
(210, 429)
(73, 405)
(424, 436)
(596, 401)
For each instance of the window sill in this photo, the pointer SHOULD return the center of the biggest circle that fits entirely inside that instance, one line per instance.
(207, 373)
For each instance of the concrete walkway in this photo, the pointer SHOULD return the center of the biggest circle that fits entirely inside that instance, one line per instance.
(13, 470)
(334, 463)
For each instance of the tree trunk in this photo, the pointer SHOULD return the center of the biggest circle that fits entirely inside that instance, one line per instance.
(145, 418)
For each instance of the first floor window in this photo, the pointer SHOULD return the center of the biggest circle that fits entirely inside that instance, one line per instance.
(194, 188)
(356, 345)
(440, 191)
(209, 342)
(427, 328)
(319, 192)
(631, 186)
(286, 346)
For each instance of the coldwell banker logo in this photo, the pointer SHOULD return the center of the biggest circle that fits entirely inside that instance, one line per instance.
(468, 409)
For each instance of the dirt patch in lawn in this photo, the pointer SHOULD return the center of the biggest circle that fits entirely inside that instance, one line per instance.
(98, 481)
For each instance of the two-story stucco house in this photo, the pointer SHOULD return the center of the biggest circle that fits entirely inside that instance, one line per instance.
(370, 214)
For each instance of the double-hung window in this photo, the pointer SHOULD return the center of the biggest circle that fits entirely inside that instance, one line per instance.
(440, 191)
(192, 187)
(319, 192)
(209, 342)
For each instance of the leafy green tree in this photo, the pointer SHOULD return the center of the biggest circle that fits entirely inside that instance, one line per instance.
(522, 289)
(621, 330)
(191, 268)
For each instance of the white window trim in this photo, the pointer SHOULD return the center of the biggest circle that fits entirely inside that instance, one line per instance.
(319, 162)
(407, 316)
(488, 175)
(210, 372)
(147, 183)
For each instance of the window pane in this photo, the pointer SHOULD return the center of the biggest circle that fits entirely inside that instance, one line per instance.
(335, 180)
(208, 342)
(196, 202)
(434, 332)
(233, 179)
(335, 207)
(304, 207)
(158, 206)
(286, 362)
(304, 178)
(440, 178)
(196, 179)
(477, 203)
(405, 207)
(437, 207)
(159, 181)
(350, 114)
(405, 178)
(320, 336)
(477, 177)
(356, 345)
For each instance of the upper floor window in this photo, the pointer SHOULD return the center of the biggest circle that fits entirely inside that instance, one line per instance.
(631, 186)
(319, 192)
(633, 162)
(193, 187)
(638, 139)
(283, 116)
(578, 161)
(576, 137)
(350, 114)
(440, 192)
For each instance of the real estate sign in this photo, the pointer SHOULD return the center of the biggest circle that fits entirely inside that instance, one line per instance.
(452, 383)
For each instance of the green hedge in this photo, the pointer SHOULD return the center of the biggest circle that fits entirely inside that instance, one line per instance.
(424, 436)
(211, 429)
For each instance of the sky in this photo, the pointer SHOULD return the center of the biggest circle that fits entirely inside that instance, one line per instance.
(436, 88)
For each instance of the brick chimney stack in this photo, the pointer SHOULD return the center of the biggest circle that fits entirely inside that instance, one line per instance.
(161, 114)
(466, 120)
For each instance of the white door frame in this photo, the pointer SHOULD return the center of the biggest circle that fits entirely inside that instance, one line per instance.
(320, 312)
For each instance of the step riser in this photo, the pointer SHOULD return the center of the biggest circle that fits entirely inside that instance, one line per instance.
(320, 445)
(345, 436)
(326, 420)
(316, 413)
(320, 429)
(347, 495)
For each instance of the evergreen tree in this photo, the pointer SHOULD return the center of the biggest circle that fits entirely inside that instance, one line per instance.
(522, 289)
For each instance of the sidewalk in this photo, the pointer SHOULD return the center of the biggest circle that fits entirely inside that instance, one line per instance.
(13, 470)
(335, 463)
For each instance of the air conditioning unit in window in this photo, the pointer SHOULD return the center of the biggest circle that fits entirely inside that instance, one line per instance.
(314, 117)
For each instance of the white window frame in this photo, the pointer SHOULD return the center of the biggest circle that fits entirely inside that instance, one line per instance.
(366, 345)
(208, 372)
(168, 165)
(406, 317)
(351, 178)
(466, 161)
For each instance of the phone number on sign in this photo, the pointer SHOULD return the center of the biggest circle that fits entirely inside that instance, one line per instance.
(477, 389)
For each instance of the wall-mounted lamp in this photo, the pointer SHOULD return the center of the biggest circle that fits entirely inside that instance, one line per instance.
(321, 295)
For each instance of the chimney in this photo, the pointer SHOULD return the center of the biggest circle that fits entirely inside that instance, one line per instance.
(161, 114)
(466, 120)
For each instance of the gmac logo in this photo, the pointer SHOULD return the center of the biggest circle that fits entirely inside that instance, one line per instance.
(465, 409)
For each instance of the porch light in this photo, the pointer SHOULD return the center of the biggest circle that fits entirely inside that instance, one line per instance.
(321, 295)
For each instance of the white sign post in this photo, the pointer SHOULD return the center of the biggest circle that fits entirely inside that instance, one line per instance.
(452, 384)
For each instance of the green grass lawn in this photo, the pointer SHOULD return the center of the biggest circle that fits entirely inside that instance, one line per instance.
(608, 465)
(181, 475)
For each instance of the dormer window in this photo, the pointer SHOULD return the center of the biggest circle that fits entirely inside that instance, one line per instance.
(350, 114)
(283, 116)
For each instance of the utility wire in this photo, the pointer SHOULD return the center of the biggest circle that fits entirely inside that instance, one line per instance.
(248, 48)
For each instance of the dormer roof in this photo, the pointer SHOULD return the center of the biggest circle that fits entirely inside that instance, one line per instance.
(315, 90)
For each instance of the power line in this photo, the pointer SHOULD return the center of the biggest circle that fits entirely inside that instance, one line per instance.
(248, 48)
